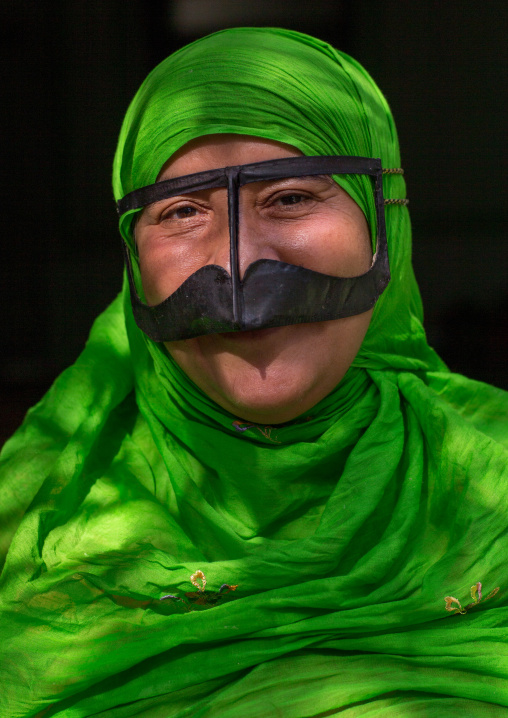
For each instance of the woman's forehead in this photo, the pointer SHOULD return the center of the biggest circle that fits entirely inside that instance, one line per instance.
(223, 150)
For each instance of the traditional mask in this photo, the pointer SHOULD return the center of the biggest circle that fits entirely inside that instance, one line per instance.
(271, 293)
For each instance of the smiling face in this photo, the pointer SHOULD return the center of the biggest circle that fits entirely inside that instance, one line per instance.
(267, 376)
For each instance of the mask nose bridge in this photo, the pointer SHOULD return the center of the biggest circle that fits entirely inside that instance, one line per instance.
(233, 184)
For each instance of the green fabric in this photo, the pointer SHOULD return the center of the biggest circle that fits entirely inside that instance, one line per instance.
(344, 530)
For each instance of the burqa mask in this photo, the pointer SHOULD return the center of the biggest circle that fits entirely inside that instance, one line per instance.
(271, 293)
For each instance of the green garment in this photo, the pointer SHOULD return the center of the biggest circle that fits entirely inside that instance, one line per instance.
(344, 531)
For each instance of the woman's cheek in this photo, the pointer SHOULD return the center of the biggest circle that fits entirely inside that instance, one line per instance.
(164, 266)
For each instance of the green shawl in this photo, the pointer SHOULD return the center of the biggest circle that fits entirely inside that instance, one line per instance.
(344, 531)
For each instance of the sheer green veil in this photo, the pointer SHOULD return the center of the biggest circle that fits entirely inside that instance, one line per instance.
(361, 546)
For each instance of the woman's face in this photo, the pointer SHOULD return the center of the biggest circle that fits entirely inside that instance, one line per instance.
(267, 376)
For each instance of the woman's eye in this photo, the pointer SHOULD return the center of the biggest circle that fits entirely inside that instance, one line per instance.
(181, 213)
(290, 199)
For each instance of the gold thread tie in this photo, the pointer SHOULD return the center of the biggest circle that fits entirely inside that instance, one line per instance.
(402, 202)
(393, 171)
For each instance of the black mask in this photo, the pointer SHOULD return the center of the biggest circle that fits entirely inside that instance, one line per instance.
(271, 293)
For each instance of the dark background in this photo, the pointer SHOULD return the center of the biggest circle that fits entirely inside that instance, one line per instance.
(69, 70)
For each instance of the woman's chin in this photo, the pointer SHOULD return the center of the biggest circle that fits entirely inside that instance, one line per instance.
(248, 377)
(270, 405)
(265, 394)
(271, 376)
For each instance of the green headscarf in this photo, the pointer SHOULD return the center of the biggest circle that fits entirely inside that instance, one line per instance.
(347, 532)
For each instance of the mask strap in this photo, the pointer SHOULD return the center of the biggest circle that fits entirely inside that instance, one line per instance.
(381, 240)
(233, 216)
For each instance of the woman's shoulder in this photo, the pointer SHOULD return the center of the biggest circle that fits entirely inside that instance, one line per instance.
(483, 405)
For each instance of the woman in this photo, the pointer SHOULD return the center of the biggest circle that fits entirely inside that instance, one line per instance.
(284, 522)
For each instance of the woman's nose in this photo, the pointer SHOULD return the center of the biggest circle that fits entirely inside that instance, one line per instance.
(251, 244)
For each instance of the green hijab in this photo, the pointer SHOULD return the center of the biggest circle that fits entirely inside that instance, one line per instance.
(347, 532)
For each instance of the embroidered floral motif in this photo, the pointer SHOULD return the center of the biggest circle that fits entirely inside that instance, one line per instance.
(266, 431)
(201, 597)
(454, 605)
(194, 580)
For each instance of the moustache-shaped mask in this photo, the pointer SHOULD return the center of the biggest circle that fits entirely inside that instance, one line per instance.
(271, 293)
